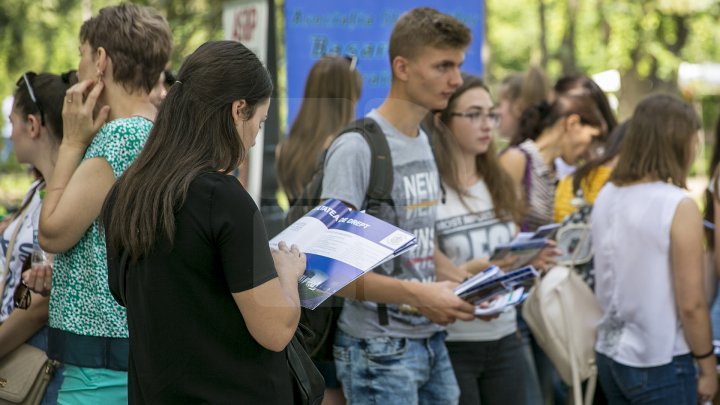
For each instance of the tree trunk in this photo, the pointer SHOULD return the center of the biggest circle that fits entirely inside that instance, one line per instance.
(543, 35)
(567, 49)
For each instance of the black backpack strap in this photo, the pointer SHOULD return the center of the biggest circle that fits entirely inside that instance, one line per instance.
(430, 134)
(381, 179)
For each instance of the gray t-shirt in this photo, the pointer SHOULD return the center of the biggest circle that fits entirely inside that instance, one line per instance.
(416, 193)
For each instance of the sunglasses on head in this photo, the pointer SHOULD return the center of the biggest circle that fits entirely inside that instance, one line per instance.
(352, 60)
(26, 78)
(21, 297)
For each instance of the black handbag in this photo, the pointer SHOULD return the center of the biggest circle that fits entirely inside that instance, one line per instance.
(308, 383)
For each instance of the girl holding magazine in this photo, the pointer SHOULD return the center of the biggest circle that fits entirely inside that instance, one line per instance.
(648, 240)
(480, 211)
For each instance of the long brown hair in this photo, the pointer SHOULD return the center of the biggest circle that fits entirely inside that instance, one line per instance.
(331, 92)
(502, 189)
(194, 134)
(658, 142)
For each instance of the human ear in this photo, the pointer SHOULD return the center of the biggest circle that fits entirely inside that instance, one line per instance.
(34, 125)
(400, 68)
(572, 122)
(239, 111)
(101, 61)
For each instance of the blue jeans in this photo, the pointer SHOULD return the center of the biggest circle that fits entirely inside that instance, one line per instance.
(386, 370)
(672, 384)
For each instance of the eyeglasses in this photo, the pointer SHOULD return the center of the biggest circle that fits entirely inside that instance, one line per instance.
(21, 298)
(26, 78)
(476, 116)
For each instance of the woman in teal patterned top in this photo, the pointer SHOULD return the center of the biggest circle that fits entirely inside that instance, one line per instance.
(123, 50)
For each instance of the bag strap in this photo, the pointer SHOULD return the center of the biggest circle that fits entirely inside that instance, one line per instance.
(11, 245)
(381, 180)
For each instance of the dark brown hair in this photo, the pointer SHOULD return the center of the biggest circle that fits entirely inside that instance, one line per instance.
(331, 92)
(49, 90)
(425, 27)
(536, 119)
(612, 149)
(136, 38)
(194, 134)
(568, 84)
(502, 189)
(658, 143)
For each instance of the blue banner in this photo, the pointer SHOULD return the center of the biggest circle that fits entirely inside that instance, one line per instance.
(314, 28)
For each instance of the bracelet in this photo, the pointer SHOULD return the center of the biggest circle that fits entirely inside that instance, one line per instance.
(703, 356)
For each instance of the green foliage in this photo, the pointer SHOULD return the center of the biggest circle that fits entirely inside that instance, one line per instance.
(649, 37)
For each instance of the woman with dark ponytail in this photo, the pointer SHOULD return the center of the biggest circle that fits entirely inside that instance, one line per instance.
(37, 131)
(563, 129)
(210, 308)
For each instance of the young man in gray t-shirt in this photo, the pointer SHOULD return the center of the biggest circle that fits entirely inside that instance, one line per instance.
(405, 360)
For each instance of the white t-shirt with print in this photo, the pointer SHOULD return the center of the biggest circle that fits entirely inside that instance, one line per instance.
(469, 231)
(21, 250)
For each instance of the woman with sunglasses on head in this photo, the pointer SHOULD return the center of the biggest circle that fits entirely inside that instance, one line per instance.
(331, 93)
(107, 117)
(480, 211)
(37, 131)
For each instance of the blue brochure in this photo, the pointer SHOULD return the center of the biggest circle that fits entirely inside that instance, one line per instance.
(341, 245)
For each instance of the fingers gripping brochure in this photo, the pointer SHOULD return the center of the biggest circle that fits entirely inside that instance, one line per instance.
(526, 246)
(492, 291)
(341, 245)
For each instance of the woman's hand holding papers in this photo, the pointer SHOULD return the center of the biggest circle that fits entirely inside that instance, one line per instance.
(547, 258)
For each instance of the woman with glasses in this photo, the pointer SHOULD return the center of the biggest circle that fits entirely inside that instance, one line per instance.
(480, 211)
(107, 117)
(37, 132)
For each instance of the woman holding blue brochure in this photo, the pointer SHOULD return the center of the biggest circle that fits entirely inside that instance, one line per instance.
(480, 212)
(210, 308)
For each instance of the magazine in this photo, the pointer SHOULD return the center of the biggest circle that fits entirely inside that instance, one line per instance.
(503, 302)
(341, 245)
(498, 289)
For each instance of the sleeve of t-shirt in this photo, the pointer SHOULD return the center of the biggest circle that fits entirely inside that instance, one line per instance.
(119, 142)
(347, 170)
(239, 233)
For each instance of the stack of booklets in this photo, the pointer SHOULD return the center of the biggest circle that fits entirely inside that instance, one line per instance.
(493, 291)
(526, 246)
(341, 245)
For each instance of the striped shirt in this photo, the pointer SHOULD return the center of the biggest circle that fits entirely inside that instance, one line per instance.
(539, 184)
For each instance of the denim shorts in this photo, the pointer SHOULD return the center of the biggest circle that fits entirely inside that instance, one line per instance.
(674, 383)
(387, 370)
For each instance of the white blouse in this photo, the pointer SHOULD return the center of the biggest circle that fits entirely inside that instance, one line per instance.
(631, 225)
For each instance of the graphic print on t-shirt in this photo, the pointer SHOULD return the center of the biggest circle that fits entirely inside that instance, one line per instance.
(417, 186)
(468, 236)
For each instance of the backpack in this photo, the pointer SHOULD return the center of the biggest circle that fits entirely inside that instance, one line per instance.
(320, 324)
(562, 314)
